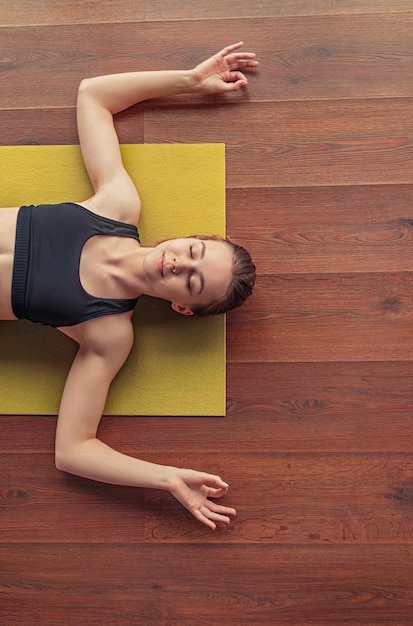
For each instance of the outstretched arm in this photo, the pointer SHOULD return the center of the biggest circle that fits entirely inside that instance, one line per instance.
(218, 74)
(80, 452)
(102, 97)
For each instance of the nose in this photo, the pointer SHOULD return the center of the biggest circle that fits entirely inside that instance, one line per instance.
(179, 265)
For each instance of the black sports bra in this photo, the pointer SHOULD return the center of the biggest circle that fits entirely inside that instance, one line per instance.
(46, 285)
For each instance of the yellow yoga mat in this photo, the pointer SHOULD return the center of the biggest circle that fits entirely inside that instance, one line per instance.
(177, 365)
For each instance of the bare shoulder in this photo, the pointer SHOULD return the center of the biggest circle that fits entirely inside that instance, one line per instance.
(109, 336)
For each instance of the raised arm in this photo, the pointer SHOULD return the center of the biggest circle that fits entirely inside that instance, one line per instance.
(80, 452)
(102, 97)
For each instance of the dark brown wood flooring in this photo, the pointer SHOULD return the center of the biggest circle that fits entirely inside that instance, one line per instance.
(317, 441)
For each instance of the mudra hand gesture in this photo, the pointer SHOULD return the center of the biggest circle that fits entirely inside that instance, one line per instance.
(221, 72)
(193, 489)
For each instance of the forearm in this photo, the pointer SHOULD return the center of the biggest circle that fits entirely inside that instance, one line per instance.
(117, 92)
(95, 460)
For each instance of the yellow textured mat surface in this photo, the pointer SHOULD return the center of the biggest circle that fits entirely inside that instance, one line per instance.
(177, 365)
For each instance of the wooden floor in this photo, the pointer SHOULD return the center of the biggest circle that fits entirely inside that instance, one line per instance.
(317, 441)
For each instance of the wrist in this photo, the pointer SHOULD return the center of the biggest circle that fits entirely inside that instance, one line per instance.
(167, 477)
(190, 82)
(194, 83)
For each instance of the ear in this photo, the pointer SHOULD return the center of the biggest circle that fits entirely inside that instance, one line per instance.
(181, 309)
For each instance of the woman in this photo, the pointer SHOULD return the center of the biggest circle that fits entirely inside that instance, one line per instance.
(93, 250)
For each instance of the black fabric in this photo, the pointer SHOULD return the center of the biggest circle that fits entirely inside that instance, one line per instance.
(46, 286)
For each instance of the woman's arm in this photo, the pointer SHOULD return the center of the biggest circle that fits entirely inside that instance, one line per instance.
(102, 97)
(80, 452)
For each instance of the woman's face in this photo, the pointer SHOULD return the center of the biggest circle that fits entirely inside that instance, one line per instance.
(189, 271)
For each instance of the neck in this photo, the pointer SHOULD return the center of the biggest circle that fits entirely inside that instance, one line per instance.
(133, 272)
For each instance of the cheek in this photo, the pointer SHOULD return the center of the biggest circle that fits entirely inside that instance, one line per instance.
(176, 286)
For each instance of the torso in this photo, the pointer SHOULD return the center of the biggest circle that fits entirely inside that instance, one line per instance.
(99, 269)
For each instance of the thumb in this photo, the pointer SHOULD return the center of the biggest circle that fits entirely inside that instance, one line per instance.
(238, 80)
(215, 481)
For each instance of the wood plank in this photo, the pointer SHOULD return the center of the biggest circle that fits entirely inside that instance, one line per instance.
(351, 406)
(215, 9)
(29, 13)
(49, 126)
(38, 500)
(323, 317)
(166, 584)
(43, 12)
(27, 127)
(28, 434)
(327, 229)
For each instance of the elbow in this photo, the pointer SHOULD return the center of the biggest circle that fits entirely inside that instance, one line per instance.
(84, 89)
(84, 85)
(73, 457)
(60, 461)
(87, 90)
(65, 460)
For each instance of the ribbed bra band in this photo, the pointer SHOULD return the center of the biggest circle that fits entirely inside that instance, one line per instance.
(21, 261)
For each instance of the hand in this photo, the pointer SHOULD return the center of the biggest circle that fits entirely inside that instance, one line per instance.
(221, 72)
(192, 489)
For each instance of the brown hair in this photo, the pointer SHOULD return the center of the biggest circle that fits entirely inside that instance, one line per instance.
(242, 283)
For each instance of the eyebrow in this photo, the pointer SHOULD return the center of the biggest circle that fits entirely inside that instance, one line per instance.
(201, 276)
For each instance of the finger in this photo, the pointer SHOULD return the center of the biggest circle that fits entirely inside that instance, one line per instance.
(228, 49)
(236, 76)
(210, 513)
(219, 508)
(205, 520)
(217, 514)
(210, 516)
(238, 63)
(236, 81)
(241, 56)
(217, 493)
(242, 64)
(211, 480)
(217, 517)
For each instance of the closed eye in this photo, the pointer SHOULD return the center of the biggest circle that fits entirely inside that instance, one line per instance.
(201, 283)
(201, 253)
(188, 284)
(201, 277)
